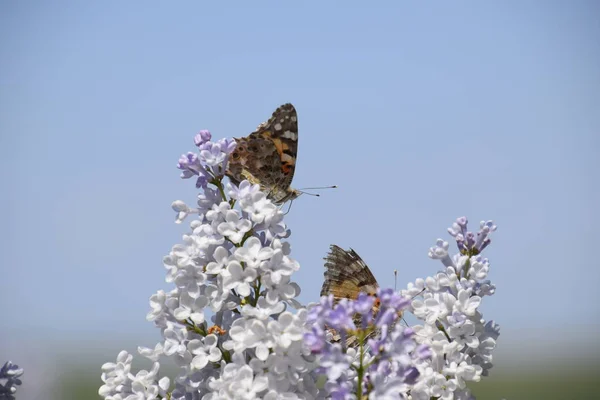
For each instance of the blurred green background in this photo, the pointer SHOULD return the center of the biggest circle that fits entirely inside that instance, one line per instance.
(520, 373)
(552, 382)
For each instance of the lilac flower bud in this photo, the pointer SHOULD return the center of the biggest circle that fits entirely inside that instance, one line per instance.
(468, 242)
(189, 162)
(202, 137)
(227, 145)
(205, 146)
(202, 181)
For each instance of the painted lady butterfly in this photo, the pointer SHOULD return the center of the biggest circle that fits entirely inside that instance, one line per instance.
(268, 156)
(346, 275)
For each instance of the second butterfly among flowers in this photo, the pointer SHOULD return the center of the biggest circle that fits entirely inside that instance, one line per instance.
(347, 277)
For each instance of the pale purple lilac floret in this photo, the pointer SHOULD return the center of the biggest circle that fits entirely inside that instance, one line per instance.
(233, 326)
(210, 163)
(388, 353)
(468, 242)
(202, 137)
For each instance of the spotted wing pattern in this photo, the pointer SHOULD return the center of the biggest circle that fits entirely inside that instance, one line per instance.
(268, 155)
(346, 275)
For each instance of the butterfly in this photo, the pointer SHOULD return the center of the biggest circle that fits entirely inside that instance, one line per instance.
(268, 156)
(346, 275)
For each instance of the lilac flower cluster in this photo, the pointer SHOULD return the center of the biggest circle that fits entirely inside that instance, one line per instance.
(211, 161)
(461, 341)
(10, 375)
(234, 328)
(227, 323)
(381, 359)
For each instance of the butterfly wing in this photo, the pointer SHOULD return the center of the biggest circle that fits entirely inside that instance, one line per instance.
(282, 130)
(346, 275)
(268, 155)
(254, 159)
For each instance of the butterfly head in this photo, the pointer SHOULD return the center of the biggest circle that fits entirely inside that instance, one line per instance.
(280, 196)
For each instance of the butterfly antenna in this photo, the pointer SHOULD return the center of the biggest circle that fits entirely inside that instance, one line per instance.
(320, 187)
(395, 278)
(317, 188)
(310, 194)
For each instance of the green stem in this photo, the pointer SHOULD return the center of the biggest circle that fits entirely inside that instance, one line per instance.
(219, 185)
(246, 236)
(256, 292)
(361, 370)
(199, 329)
(226, 356)
(441, 328)
(467, 266)
(241, 244)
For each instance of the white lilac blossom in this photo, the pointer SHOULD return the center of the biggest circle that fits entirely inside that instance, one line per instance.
(233, 326)
(460, 339)
(229, 323)
(10, 375)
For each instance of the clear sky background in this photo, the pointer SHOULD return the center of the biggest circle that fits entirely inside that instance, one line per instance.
(421, 113)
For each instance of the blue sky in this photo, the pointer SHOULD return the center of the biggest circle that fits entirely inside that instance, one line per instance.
(420, 113)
